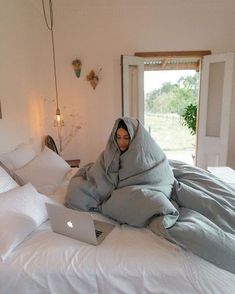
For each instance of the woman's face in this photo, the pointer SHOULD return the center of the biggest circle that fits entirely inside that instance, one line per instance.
(123, 139)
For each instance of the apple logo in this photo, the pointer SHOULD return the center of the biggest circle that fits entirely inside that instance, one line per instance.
(70, 224)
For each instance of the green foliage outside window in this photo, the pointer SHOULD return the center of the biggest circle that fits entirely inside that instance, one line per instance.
(180, 98)
(189, 118)
(173, 98)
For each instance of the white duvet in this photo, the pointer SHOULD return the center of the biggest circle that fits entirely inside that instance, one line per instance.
(129, 260)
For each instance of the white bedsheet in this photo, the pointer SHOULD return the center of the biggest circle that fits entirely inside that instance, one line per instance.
(129, 260)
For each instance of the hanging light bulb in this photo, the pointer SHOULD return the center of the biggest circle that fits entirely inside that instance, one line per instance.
(59, 121)
(58, 118)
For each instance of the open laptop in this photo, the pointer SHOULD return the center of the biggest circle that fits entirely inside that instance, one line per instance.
(76, 224)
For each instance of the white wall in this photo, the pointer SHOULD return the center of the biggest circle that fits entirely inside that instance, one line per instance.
(97, 32)
(21, 54)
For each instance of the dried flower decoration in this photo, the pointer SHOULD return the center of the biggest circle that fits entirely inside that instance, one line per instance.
(93, 78)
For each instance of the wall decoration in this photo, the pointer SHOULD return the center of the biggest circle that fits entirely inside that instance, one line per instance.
(93, 78)
(0, 110)
(77, 66)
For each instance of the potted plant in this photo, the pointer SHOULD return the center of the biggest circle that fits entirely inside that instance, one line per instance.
(189, 117)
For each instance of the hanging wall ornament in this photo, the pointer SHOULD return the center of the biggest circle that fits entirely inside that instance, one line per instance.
(77, 66)
(93, 78)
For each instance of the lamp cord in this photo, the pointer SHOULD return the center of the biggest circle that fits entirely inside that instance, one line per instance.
(50, 28)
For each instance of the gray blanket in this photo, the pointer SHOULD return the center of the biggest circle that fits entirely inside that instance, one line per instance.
(184, 204)
(206, 223)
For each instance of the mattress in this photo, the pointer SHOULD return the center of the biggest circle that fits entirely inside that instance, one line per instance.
(130, 260)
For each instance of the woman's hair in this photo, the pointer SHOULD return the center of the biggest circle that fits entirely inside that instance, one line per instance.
(122, 125)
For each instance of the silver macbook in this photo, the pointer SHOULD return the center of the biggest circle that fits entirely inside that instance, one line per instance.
(76, 224)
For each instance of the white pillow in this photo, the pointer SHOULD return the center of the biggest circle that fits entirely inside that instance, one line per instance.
(20, 156)
(14, 228)
(6, 181)
(45, 171)
(25, 200)
(21, 210)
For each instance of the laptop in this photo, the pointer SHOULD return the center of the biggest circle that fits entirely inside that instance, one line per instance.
(77, 224)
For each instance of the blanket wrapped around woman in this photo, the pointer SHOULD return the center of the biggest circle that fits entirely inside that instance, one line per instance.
(185, 204)
(130, 187)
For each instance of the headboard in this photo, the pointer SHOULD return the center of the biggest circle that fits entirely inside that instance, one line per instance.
(50, 143)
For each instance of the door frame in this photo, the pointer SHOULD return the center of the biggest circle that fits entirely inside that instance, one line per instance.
(132, 86)
(166, 57)
(213, 135)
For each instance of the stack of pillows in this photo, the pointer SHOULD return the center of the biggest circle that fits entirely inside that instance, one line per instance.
(25, 180)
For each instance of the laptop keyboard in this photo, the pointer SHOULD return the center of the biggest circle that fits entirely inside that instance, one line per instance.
(98, 233)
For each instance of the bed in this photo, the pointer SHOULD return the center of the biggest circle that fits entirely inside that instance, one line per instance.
(129, 260)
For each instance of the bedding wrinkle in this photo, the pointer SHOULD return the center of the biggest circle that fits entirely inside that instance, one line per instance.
(197, 272)
(140, 173)
(208, 206)
(70, 266)
(127, 248)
